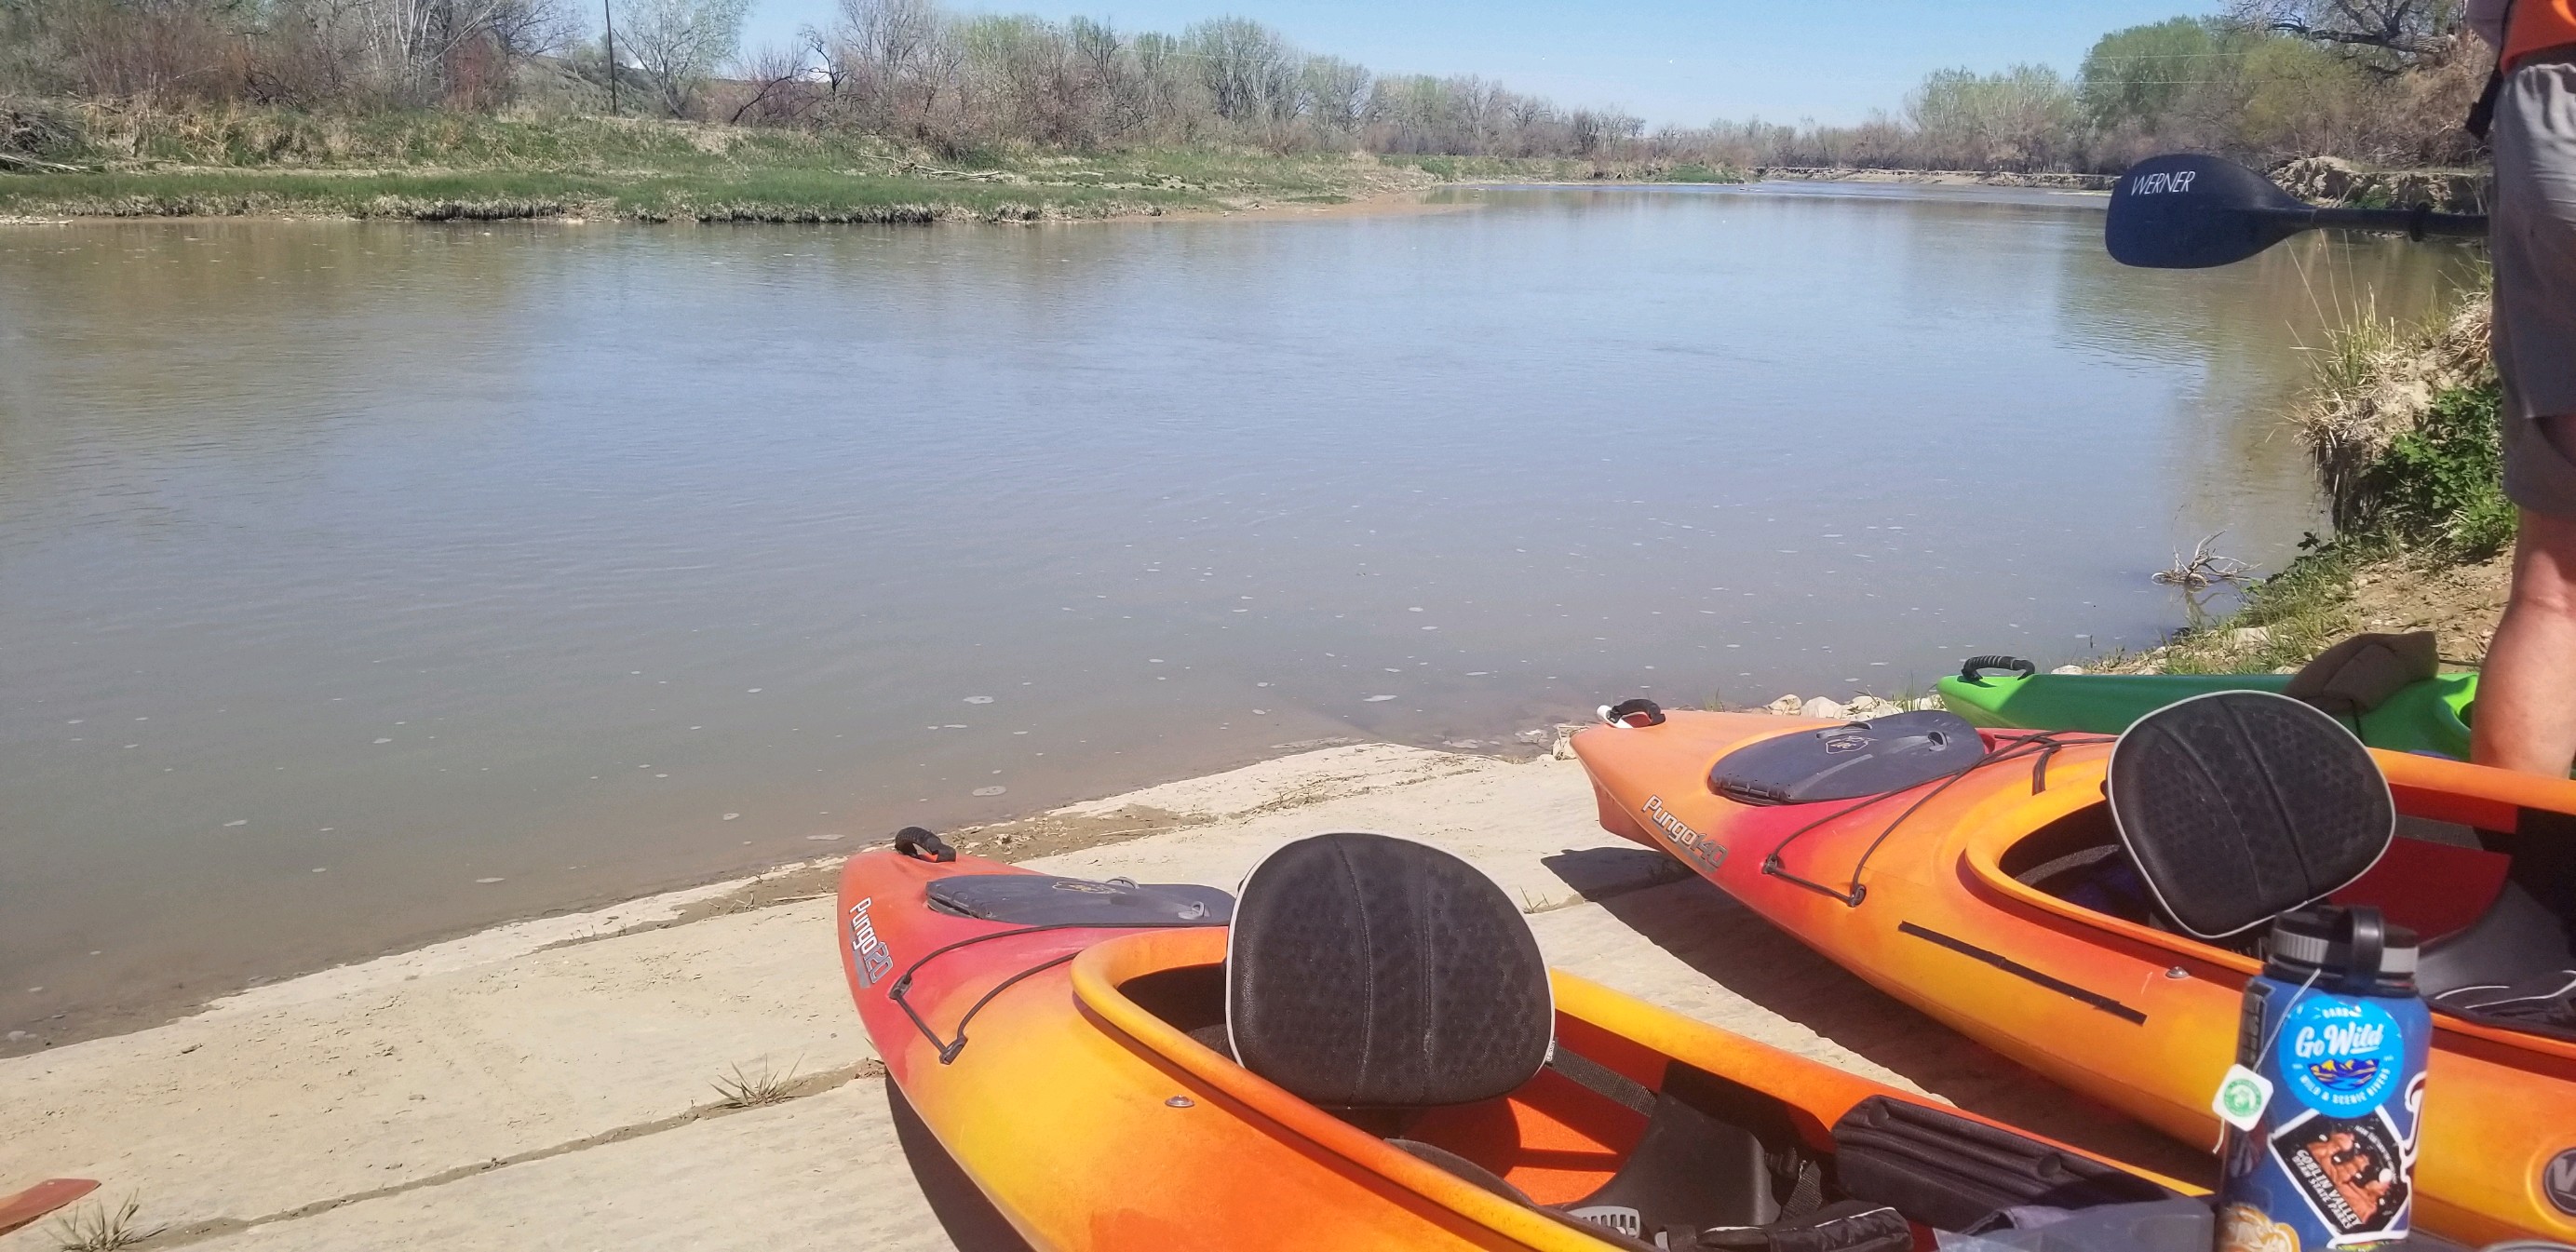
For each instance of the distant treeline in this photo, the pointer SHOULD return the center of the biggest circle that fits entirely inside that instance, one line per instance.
(2378, 81)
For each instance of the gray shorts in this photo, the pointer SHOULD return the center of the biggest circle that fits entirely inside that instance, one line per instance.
(2534, 247)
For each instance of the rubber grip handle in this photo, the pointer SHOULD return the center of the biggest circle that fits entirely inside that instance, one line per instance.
(1634, 713)
(915, 842)
(2366, 941)
(1972, 672)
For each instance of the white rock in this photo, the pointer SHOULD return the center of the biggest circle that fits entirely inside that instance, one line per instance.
(1823, 708)
(1787, 706)
(2249, 636)
(2068, 669)
(1863, 708)
(1927, 702)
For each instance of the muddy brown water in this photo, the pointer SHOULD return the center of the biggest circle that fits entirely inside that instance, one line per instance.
(363, 584)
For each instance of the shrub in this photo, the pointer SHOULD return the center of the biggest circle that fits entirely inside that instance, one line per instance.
(2443, 481)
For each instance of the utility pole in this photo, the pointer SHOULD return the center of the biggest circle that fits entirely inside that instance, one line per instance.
(608, 15)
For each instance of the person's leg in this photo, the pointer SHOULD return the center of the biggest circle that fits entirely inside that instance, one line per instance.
(2526, 712)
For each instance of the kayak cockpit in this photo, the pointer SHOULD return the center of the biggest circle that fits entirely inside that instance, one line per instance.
(1598, 1119)
(2481, 885)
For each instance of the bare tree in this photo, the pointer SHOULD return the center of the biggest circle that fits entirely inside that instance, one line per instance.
(2389, 34)
(677, 42)
(528, 28)
(1337, 93)
(774, 86)
(1243, 63)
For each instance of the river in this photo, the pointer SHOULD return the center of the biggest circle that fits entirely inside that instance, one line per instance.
(366, 583)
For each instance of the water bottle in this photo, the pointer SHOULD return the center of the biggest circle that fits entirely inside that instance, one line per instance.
(2322, 1103)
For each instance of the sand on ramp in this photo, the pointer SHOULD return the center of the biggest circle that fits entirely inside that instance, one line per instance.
(556, 1084)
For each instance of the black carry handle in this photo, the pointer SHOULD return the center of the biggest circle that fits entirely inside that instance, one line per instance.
(1625, 712)
(915, 842)
(2365, 939)
(1974, 670)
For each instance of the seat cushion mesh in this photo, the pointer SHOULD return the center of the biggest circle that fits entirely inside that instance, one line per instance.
(1367, 971)
(2240, 805)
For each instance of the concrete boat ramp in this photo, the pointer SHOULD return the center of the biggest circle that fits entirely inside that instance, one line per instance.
(555, 1084)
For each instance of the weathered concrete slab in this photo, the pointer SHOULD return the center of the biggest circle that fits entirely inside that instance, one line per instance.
(549, 1085)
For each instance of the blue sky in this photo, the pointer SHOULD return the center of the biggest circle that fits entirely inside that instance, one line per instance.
(1669, 61)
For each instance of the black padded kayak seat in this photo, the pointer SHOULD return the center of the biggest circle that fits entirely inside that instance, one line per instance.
(1044, 900)
(2239, 806)
(1365, 971)
(1849, 761)
(1386, 978)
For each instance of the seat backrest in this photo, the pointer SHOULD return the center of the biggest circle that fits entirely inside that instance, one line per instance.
(1365, 971)
(2242, 805)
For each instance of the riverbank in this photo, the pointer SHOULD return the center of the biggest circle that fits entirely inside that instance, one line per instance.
(96, 162)
(2400, 424)
(1936, 178)
(555, 1083)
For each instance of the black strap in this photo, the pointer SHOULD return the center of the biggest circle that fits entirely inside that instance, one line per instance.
(2039, 769)
(1843, 1226)
(2076, 859)
(2482, 114)
(1807, 1194)
(1603, 1081)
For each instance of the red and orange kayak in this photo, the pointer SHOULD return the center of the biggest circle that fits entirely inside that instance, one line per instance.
(1080, 1077)
(25, 1207)
(1934, 909)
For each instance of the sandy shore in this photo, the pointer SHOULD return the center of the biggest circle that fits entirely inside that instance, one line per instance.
(550, 1084)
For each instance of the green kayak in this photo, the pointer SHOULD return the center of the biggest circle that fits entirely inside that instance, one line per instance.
(2427, 716)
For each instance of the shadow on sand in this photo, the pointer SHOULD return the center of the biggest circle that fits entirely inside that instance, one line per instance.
(972, 1223)
(1710, 932)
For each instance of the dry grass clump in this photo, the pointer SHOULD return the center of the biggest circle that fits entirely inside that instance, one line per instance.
(759, 1088)
(2376, 379)
(97, 1228)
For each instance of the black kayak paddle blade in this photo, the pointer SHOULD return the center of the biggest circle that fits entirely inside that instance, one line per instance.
(2189, 212)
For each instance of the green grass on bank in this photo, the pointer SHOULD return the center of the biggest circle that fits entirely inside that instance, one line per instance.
(1473, 169)
(437, 165)
(2298, 613)
(2436, 495)
(772, 195)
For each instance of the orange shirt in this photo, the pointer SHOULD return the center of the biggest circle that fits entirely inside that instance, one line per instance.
(2538, 26)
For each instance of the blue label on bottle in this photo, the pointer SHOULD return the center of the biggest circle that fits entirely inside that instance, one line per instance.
(2341, 1056)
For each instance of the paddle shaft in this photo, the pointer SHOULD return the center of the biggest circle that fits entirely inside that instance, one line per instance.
(2412, 223)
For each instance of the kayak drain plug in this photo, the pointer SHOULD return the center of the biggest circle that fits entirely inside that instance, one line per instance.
(1180, 1102)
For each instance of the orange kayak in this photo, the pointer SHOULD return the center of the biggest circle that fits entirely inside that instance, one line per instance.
(25, 1207)
(1414, 1077)
(1950, 894)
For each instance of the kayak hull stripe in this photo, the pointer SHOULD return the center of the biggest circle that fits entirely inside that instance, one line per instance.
(2019, 970)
